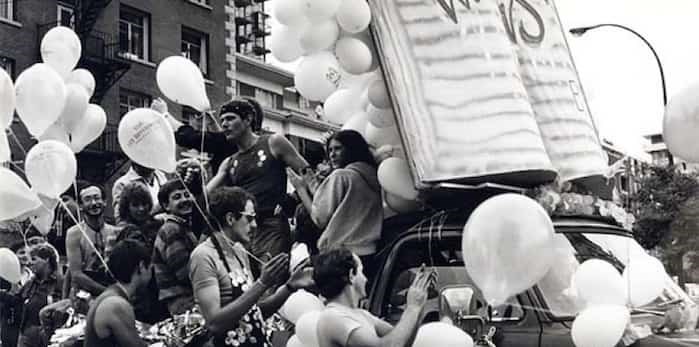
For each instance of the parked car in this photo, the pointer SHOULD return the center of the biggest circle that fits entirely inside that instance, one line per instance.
(541, 316)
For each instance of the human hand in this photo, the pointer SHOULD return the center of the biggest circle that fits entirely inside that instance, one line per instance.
(158, 105)
(418, 291)
(275, 271)
(296, 180)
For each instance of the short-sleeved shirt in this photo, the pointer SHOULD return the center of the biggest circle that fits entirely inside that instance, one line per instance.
(352, 319)
(207, 269)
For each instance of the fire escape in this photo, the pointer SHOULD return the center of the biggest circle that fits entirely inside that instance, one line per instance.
(251, 28)
(99, 56)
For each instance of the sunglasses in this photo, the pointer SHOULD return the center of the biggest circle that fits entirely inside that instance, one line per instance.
(249, 216)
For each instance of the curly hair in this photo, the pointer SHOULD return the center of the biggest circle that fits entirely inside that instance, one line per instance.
(134, 192)
(246, 108)
(228, 199)
(331, 271)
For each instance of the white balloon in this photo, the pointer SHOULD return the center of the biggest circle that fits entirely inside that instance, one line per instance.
(354, 56)
(7, 100)
(319, 36)
(181, 81)
(61, 49)
(51, 168)
(645, 277)
(443, 335)
(378, 137)
(380, 117)
(56, 132)
(89, 129)
(41, 96)
(147, 138)
(9, 266)
(357, 122)
(5, 152)
(289, 12)
(16, 198)
(400, 205)
(294, 342)
(298, 304)
(600, 326)
(42, 219)
(394, 177)
(318, 76)
(354, 16)
(598, 283)
(285, 43)
(319, 10)
(307, 328)
(84, 78)
(681, 124)
(75, 106)
(378, 94)
(340, 106)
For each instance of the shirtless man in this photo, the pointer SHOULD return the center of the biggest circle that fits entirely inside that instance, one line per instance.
(340, 279)
(110, 321)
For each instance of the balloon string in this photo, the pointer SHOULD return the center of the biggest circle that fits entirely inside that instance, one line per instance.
(206, 216)
(84, 233)
(14, 137)
(18, 167)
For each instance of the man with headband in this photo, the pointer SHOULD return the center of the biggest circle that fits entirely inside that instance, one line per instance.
(259, 167)
(88, 244)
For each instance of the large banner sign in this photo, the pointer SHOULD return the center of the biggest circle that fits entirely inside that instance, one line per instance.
(485, 91)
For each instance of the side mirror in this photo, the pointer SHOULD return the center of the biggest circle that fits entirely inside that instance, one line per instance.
(459, 306)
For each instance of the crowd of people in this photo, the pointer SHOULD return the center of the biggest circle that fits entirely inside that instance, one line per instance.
(220, 244)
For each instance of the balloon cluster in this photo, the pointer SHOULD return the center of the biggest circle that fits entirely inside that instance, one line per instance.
(303, 309)
(52, 100)
(339, 67)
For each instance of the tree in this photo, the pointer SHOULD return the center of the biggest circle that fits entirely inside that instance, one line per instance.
(667, 216)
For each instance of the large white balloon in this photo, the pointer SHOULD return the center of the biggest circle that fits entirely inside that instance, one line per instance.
(7, 100)
(9, 266)
(381, 117)
(378, 94)
(41, 95)
(289, 12)
(598, 283)
(307, 328)
(56, 132)
(84, 78)
(51, 168)
(394, 177)
(16, 198)
(319, 36)
(645, 277)
(354, 56)
(378, 137)
(443, 335)
(507, 245)
(77, 99)
(319, 10)
(600, 326)
(61, 49)
(298, 304)
(147, 138)
(354, 16)
(89, 129)
(318, 76)
(400, 205)
(357, 122)
(341, 105)
(681, 124)
(285, 43)
(181, 81)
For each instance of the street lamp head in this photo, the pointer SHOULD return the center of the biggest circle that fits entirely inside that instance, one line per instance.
(579, 31)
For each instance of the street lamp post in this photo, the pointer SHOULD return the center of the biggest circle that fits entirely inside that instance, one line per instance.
(582, 30)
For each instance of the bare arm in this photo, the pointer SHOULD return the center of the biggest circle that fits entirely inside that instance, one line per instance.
(220, 178)
(301, 278)
(117, 316)
(283, 150)
(74, 255)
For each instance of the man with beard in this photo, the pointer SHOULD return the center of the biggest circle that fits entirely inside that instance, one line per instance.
(173, 245)
(88, 244)
(259, 167)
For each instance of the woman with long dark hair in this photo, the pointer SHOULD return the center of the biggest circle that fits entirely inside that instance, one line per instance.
(347, 204)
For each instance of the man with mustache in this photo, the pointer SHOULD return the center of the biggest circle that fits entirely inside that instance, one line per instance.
(89, 243)
(173, 245)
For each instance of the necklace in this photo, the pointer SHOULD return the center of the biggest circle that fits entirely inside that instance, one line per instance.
(233, 243)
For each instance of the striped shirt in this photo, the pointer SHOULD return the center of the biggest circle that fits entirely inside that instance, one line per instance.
(173, 245)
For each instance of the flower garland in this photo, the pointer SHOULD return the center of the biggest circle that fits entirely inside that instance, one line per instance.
(559, 200)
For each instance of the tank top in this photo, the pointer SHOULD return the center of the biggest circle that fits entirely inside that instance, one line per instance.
(260, 173)
(91, 337)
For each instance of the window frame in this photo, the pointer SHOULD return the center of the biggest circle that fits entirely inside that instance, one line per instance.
(61, 6)
(203, 47)
(145, 23)
(9, 8)
(7, 61)
(132, 95)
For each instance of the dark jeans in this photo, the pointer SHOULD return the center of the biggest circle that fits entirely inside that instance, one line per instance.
(271, 237)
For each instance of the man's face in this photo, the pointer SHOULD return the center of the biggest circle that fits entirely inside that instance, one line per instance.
(233, 125)
(241, 226)
(92, 201)
(179, 203)
(359, 280)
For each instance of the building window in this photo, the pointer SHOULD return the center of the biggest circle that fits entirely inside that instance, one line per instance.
(246, 90)
(129, 100)
(195, 48)
(133, 33)
(8, 65)
(266, 98)
(7, 9)
(66, 15)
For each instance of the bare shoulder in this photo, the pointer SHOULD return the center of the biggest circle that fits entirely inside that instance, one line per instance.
(111, 310)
